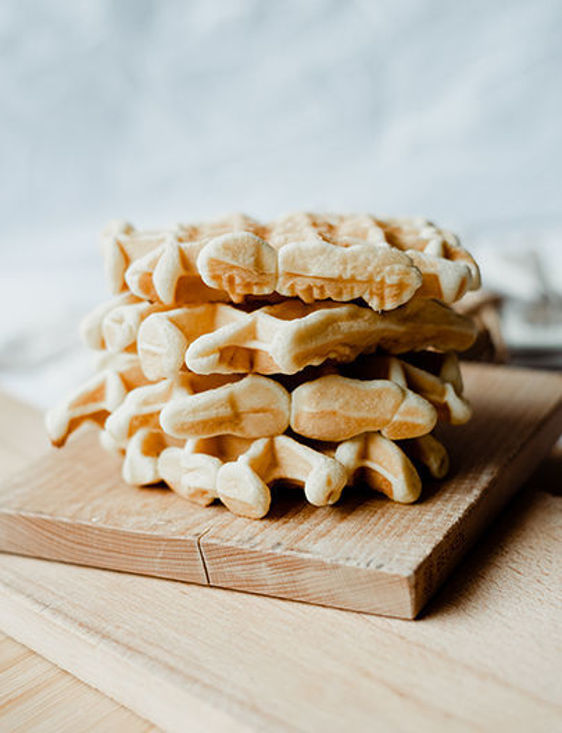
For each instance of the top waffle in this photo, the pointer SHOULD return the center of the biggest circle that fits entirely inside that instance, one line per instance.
(312, 257)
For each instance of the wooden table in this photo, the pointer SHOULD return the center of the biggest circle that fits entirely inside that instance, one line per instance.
(486, 653)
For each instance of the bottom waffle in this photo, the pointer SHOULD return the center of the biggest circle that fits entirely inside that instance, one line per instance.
(224, 436)
(239, 472)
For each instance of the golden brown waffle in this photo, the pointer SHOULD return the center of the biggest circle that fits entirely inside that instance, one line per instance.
(243, 485)
(237, 471)
(437, 254)
(204, 313)
(401, 401)
(334, 407)
(312, 257)
(142, 407)
(114, 325)
(382, 464)
(123, 246)
(144, 462)
(286, 337)
(383, 394)
(330, 407)
(429, 452)
(401, 398)
(201, 460)
(240, 471)
(435, 377)
(253, 407)
(97, 398)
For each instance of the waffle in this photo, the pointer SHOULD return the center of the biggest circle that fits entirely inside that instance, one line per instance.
(239, 471)
(201, 460)
(114, 325)
(387, 466)
(97, 398)
(254, 407)
(144, 462)
(325, 403)
(177, 249)
(382, 464)
(286, 337)
(236, 353)
(448, 269)
(312, 257)
(429, 452)
(436, 377)
(331, 407)
(371, 458)
(242, 485)
(403, 401)
(142, 407)
(334, 407)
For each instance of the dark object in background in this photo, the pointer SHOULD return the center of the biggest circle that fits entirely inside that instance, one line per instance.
(484, 307)
(489, 309)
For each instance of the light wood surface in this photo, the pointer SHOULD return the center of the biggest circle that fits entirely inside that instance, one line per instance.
(485, 654)
(365, 554)
(36, 695)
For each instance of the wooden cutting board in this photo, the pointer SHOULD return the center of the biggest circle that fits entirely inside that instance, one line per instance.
(366, 553)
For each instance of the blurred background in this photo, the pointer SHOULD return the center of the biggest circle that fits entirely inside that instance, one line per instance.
(167, 111)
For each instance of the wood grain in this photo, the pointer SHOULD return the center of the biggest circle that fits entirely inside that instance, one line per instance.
(36, 695)
(365, 554)
(72, 505)
(368, 554)
(484, 655)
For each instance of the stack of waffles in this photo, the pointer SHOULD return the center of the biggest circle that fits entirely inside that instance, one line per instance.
(316, 350)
